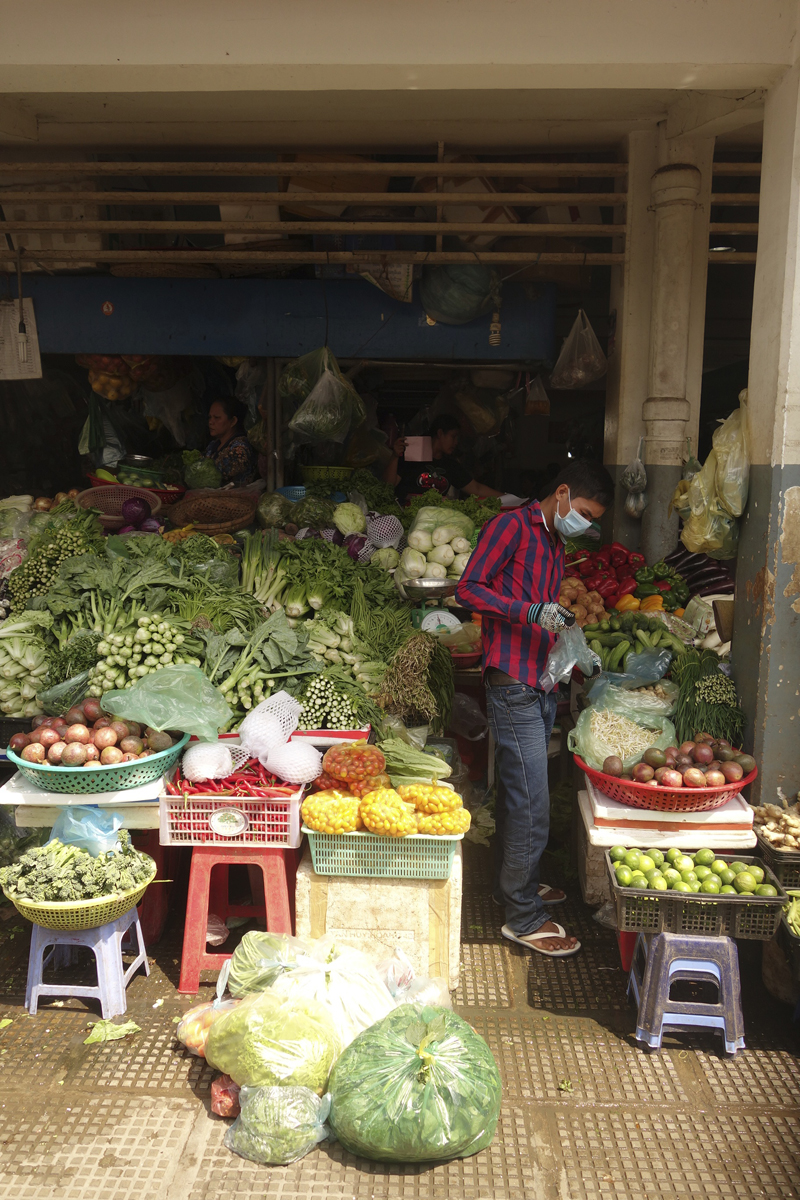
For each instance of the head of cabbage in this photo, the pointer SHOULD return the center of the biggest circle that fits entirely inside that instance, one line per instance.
(199, 472)
(273, 510)
(348, 518)
(269, 1040)
(386, 558)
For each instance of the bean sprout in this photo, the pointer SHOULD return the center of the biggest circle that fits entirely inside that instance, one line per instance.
(622, 737)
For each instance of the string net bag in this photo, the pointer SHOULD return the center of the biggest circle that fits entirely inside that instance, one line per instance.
(296, 762)
(270, 724)
(212, 760)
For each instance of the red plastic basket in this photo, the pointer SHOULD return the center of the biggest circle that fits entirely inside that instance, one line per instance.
(660, 799)
(170, 496)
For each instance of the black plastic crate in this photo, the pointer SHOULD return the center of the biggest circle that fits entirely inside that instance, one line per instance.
(9, 726)
(784, 864)
(753, 917)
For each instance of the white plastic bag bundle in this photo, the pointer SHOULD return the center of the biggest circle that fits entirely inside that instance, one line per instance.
(207, 760)
(297, 762)
(344, 980)
(270, 724)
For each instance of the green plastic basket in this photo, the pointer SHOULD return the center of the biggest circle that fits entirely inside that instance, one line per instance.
(80, 914)
(77, 781)
(418, 856)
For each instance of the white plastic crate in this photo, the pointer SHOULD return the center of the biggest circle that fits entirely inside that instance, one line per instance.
(230, 820)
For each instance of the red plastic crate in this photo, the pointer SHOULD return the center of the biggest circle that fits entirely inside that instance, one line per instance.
(187, 820)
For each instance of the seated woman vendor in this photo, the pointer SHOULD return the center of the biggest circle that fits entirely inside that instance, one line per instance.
(232, 454)
(442, 473)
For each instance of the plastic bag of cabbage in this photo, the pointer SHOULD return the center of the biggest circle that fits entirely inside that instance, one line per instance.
(342, 979)
(439, 545)
(269, 1041)
(420, 1086)
(278, 1125)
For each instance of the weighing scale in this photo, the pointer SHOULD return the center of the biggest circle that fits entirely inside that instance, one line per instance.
(426, 592)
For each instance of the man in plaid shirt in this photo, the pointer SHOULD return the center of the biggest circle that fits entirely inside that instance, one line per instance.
(513, 580)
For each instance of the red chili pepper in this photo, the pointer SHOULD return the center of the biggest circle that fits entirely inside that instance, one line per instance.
(171, 789)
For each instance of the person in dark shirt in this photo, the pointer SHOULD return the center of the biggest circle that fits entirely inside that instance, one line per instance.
(442, 473)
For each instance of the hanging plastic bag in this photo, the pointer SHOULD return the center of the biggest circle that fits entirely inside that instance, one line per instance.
(457, 294)
(643, 669)
(709, 529)
(268, 1040)
(419, 1086)
(581, 360)
(537, 401)
(178, 697)
(278, 1125)
(570, 650)
(92, 829)
(467, 719)
(330, 408)
(634, 477)
(733, 460)
(680, 500)
(691, 466)
(59, 699)
(594, 749)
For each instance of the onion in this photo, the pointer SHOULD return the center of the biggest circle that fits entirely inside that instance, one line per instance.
(128, 529)
(73, 492)
(135, 510)
(34, 753)
(60, 496)
(20, 740)
(43, 504)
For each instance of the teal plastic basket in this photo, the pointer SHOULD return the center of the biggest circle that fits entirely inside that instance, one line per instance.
(368, 855)
(77, 781)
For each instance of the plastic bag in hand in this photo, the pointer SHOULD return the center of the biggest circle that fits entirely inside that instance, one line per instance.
(570, 651)
(278, 1125)
(581, 359)
(419, 1086)
(178, 697)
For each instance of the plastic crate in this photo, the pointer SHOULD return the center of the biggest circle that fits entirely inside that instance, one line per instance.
(197, 821)
(644, 911)
(660, 799)
(370, 856)
(790, 944)
(292, 493)
(784, 864)
(77, 781)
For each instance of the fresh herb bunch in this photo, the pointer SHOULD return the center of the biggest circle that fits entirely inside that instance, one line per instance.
(707, 700)
(79, 654)
(378, 495)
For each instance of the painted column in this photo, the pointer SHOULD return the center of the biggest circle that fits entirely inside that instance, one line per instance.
(766, 642)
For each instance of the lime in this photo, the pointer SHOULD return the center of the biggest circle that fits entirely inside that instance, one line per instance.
(727, 890)
(727, 876)
(695, 887)
(670, 874)
(624, 875)
(757, 873)
(683, 863)
(680, 886)
(710, 885)
(639, 881)
(657, 857)
(702, 872)
(766, 889)
(659, 884)
(736, 867)
(745, 882)
(689, 876)
(633, 859)
(704, 858)
(672, 854)
(718, 866)
(617, 853)
(646, 863)
(653, 874)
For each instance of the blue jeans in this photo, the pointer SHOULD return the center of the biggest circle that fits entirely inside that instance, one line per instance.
(521, 719)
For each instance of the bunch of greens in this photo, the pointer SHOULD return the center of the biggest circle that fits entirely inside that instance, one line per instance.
(267, 1041)
(154, 643)
(418, 685)
(277, 1125)
(78, 654)
(378, 495)
(199, 472)
(23, 663)
(69, 531)
(314, 512)
(59, 872)
(404, 762)
(707, 699)
(332, 638)
(418, 1086)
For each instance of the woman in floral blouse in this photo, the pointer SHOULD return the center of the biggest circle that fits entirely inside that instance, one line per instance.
(232, 454)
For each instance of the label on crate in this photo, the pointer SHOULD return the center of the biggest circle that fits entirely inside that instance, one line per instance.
(228, 822)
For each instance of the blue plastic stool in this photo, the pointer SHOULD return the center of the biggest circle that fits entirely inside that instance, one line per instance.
(106, 943)
(663, 958)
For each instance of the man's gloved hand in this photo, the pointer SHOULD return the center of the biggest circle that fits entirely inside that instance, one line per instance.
(552, 617)
(597, 665)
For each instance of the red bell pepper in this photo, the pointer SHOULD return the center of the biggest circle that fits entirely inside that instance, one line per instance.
(572, 573)
(619, 558)
(663, 585)
(607, 588)
(593, 581)
(636, 561)
(622, 573)
(603, 555)
(626, 587)
(585, 568)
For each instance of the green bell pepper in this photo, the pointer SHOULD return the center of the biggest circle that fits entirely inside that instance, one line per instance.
(645, 575)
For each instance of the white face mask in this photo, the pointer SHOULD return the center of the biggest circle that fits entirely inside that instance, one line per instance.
(573, 524)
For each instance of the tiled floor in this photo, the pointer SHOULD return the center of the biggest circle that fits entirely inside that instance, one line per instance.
(586, 1113)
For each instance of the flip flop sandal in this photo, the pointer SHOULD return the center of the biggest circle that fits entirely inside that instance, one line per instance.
(530, 939)
(545, 887)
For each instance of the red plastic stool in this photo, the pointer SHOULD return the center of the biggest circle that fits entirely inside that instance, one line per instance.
(627, 945)
(206, 896)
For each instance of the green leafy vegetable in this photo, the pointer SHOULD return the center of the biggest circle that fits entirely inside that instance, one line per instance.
(199, 472)
(419, 1086)
(267, 1040)
(59, 872)
(107, 1031)
(277, 1124)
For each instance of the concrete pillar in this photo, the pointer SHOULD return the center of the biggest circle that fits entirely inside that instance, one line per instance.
(766, 641)
(629, 350)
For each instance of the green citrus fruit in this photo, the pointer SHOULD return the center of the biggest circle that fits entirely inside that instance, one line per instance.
(624, 876)
(710, 885)
(646, 863)
(670, 874)
(652, 874)
(757, 873)
(657, 857)
(617, 852)
(684, 863)
(695, 887)
(639, 881)
(672, 854)
(659, 884)
(704, 858)
(745, 882)
(633, 859)
(702, 872)
(727, 876)
(766, 889)
(680, 886)
(718, 866)
(736, 867)
(727, 890)
(689, 877)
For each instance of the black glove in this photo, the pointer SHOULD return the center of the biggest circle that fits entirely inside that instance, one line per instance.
(552, 617)
(597, 664)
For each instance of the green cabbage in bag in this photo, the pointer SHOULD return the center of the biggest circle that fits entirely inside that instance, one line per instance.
(419, 1086)
(278, 1125)
(594, 749)
(273, 510)
(259, 959)
(267, 1041)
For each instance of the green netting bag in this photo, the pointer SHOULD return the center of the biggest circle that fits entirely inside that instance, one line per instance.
(594, 749)
(419, 1086)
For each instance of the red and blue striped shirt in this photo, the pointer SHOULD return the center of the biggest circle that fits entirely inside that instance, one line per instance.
(516, 563)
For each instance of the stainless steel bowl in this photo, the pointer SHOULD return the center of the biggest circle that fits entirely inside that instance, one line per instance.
(427, 589)
(137, 460)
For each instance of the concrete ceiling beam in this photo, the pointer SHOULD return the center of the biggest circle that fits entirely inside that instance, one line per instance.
(711, 114)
